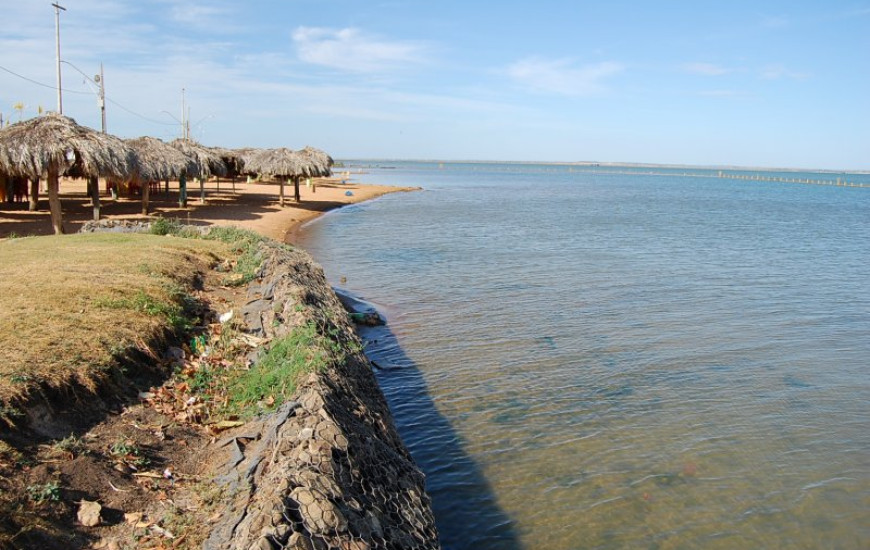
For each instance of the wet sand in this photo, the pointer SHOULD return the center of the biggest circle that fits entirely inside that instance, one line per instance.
(251, 206)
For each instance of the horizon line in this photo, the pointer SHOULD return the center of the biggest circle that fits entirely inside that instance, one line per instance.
(587, 163)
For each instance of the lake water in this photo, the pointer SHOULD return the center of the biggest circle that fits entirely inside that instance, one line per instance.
(584, 359)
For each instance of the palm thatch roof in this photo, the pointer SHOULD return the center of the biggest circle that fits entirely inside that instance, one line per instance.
(31, 147)
(245, 154)
(160, 161)
(320, 162)
(210, 162)
(280, 162)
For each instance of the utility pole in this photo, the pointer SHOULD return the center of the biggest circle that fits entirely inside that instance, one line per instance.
(101, 80)
(57, 8)
(183, 120)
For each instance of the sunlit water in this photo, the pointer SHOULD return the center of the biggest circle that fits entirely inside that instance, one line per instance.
(587, 360)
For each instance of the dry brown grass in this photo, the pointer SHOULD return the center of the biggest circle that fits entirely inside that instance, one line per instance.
(68, 304)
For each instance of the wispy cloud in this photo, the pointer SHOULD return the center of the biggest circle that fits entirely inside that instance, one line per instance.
(778, 71)
(351, 49)
(213, 15)
(705, 69)
(563, 76)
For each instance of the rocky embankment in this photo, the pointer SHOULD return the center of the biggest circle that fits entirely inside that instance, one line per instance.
(327, 470)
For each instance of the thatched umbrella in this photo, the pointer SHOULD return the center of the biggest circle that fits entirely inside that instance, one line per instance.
(280, 163)
(210, 164)
(53, 145)
(158, 161)
(321, 163)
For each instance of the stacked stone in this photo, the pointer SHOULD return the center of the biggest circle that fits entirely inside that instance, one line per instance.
(328, 471)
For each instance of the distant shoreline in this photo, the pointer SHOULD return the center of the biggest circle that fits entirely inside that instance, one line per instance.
(593, 164)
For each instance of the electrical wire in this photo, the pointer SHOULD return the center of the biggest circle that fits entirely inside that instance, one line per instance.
(113, 102)
(40, 83)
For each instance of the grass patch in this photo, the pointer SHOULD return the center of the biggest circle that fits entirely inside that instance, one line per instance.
(244, 245)
(70, 303)
(273, 379)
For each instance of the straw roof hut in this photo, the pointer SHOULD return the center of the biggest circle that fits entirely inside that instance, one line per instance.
(245, 154)
(321, 163)
(210, 162)
(158, 161)
(53, 145)
(281, 163)
(232, 159)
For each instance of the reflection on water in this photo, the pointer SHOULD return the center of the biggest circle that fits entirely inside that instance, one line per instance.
(624, 361)
(460, 494)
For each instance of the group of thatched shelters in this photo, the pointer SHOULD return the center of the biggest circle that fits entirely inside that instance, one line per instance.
(52, 146)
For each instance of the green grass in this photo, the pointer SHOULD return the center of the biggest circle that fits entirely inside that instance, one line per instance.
(273, 378)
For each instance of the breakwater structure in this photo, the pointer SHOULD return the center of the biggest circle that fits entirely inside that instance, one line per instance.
(328, 469)
(302, 452)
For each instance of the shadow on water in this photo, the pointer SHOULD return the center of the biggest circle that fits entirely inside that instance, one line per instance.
(465, 508)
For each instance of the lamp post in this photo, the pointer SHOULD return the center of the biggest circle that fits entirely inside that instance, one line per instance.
(57, 8)
(99, 81)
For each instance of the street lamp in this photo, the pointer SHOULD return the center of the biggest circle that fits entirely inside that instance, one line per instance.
(57, 8)
(100, 82)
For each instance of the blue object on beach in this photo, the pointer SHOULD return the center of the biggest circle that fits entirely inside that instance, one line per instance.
(348, 194)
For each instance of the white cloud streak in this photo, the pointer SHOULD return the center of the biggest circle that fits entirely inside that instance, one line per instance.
(352, 50)
(562, 76)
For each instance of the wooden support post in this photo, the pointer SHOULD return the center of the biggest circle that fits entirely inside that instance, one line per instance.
(146, 195)
(34, 195)
(54, 200)
(182, 191)
(94, 191)
(281, 191)
(201, 190)
(296, 189)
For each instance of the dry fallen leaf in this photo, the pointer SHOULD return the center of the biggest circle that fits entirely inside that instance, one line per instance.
(227, 424)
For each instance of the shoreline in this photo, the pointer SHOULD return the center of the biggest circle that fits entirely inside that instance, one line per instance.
(252, 206)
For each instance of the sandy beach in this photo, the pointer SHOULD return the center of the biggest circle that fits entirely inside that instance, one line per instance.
(251, 206)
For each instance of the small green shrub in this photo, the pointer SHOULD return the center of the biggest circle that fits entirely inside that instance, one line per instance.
(43, 492)
(162, 226)
(72, 444)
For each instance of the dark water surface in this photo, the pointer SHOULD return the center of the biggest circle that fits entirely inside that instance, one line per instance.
(599, 360)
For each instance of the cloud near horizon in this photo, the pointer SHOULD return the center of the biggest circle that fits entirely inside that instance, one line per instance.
(350, 49)
(561, 76)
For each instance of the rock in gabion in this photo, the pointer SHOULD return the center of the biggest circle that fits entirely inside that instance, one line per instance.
(115, 226)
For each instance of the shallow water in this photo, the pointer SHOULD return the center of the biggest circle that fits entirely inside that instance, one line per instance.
(610, 360)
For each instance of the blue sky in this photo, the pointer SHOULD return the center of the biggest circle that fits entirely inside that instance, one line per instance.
(776, 84)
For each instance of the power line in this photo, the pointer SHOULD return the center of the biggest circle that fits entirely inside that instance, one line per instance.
(112, 101)
(143, 117)
(40, 83)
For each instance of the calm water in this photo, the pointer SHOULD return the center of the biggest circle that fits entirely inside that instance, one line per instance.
(587, 360)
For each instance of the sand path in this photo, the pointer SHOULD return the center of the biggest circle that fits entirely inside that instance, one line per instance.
(249, 205)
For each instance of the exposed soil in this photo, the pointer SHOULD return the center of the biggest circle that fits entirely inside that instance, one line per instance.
(143, 466)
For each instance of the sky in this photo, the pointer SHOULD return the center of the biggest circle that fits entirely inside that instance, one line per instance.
(743, 83)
